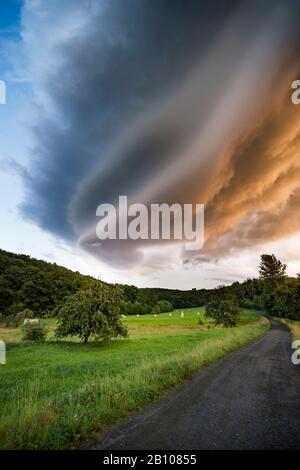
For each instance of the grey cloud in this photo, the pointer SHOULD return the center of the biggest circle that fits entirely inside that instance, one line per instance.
(125, 57)
(145, 99)
(11, 166)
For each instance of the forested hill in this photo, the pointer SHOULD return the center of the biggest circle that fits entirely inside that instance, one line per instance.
(26, 282)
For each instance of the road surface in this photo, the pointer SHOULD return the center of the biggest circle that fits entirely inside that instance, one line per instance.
(248, 400)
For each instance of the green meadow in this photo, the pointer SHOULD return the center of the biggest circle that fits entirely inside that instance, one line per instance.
(61, 393)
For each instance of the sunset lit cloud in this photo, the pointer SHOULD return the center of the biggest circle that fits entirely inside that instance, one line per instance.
(174, 102)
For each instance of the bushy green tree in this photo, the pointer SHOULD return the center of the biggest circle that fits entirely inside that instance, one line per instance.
(155, 310)
(287, 299)
(224, 311)
(92, 312)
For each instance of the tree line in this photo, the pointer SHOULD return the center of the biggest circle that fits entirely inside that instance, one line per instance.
(33, 288)
(41, 287)
(273, 291)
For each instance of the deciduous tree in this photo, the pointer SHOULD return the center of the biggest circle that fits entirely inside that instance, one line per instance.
(92, 312)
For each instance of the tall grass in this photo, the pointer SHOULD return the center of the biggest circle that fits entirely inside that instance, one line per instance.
(54, 395)
(293, 325)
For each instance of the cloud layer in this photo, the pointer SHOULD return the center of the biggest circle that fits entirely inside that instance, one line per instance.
(164, 102)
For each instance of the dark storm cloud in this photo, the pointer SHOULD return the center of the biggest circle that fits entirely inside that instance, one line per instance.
(166, 101)
(126, 56)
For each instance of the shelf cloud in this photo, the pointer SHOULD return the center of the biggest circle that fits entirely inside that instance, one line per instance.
(176, 102)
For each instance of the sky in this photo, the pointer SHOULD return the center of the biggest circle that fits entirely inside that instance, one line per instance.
(163, 101)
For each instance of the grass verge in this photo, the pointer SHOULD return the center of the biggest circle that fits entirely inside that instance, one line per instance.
(293, 325)
(56, 394)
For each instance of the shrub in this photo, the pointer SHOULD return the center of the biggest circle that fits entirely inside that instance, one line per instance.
(34, 332)
(165, 306)
(155, 310)
(26, 313)
(224, 311)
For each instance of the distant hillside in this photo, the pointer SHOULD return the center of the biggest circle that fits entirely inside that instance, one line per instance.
(29, 283)
(178, 298)
(26, 282)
